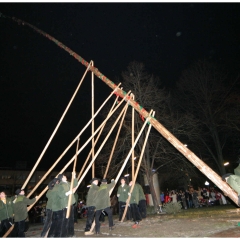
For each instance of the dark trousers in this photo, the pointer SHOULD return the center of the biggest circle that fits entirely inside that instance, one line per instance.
(57, 219)
(75, 210)
(121, 206)
(47, 223)
(143, 208)
(108, 210)
(20, 227)
(67, 229)
(5, 225)
(90, 218)
(135, 212)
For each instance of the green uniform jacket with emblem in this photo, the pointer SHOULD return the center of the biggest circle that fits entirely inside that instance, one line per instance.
(63, 188)
(102, 199)
(6, 210)
(92, 195)
(141, 193)
(234, 182)
(135, 195)
(20, 207)
(123, 193)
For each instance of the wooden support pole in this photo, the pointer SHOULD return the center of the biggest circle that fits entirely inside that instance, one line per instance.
(137, 170)
(104, 141)
(55, 130)
(55, 163)
(72, 180)
(133, 139)
(125, 162)
(115, 142)
(93, 166)
(99, 134)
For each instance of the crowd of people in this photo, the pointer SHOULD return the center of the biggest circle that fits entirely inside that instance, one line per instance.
(193, 198)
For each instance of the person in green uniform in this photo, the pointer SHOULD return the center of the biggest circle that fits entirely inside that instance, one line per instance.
(122, 195)
(20, 210)
(142, 201)
(49, 212)
(234, 182)
(57, 212)
(91, 204)
(134, 201)
(6, 214)
(102, 203)
(67, 229)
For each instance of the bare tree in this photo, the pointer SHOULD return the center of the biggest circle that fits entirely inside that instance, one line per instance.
(158, 152)
(206, 92)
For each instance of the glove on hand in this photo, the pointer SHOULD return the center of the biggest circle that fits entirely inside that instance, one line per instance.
(69, 192)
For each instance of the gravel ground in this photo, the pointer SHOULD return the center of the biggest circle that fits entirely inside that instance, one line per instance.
(217, 221)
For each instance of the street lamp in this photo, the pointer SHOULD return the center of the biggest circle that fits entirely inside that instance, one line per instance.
(226, 163)
(207, 183)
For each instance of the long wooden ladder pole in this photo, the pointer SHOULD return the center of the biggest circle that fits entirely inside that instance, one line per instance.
(93, 166)
(133, 138)
(207, 171)
(115, 142)
(72, 180)
(137, 170)
(64, 152)
(55, 130)
(125, 161)
(99, 134)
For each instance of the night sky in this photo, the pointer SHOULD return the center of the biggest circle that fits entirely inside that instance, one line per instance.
(38, 78)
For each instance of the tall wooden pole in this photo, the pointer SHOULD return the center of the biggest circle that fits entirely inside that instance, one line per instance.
(133, 139)
(137, 170)
(55, 130)
(115, 142)
(93, 166)
(99, 134)
(207, 171)
(71, 186)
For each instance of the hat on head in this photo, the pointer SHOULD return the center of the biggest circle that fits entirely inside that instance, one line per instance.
(18, 191)
(51, 184)
(104, 180)
(60, 176)
(94, 179)
(226, 175)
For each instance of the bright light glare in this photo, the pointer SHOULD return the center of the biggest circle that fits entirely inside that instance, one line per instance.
(226, 163)
(126, 175)
(206, 183)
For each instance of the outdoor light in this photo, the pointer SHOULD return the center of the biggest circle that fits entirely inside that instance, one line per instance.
(88, 186)
(226, 163)
(185, 145)
(206, 183)
(126, 175)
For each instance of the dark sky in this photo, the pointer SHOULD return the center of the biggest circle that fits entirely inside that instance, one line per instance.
(38, 78)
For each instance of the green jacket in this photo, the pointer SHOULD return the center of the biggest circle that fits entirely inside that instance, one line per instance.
(135, 195)
(50, 198)
(122, 193)
(234, 182)
(237, 170)
(63, 188)
(141, 193)
(6, 210)
(102, 199)
(92, 195)
(20, 207)
(56, 201)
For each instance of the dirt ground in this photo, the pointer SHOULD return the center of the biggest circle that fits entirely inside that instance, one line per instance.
(214, 222)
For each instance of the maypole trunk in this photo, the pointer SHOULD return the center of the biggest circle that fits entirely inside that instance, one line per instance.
(207, 171)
